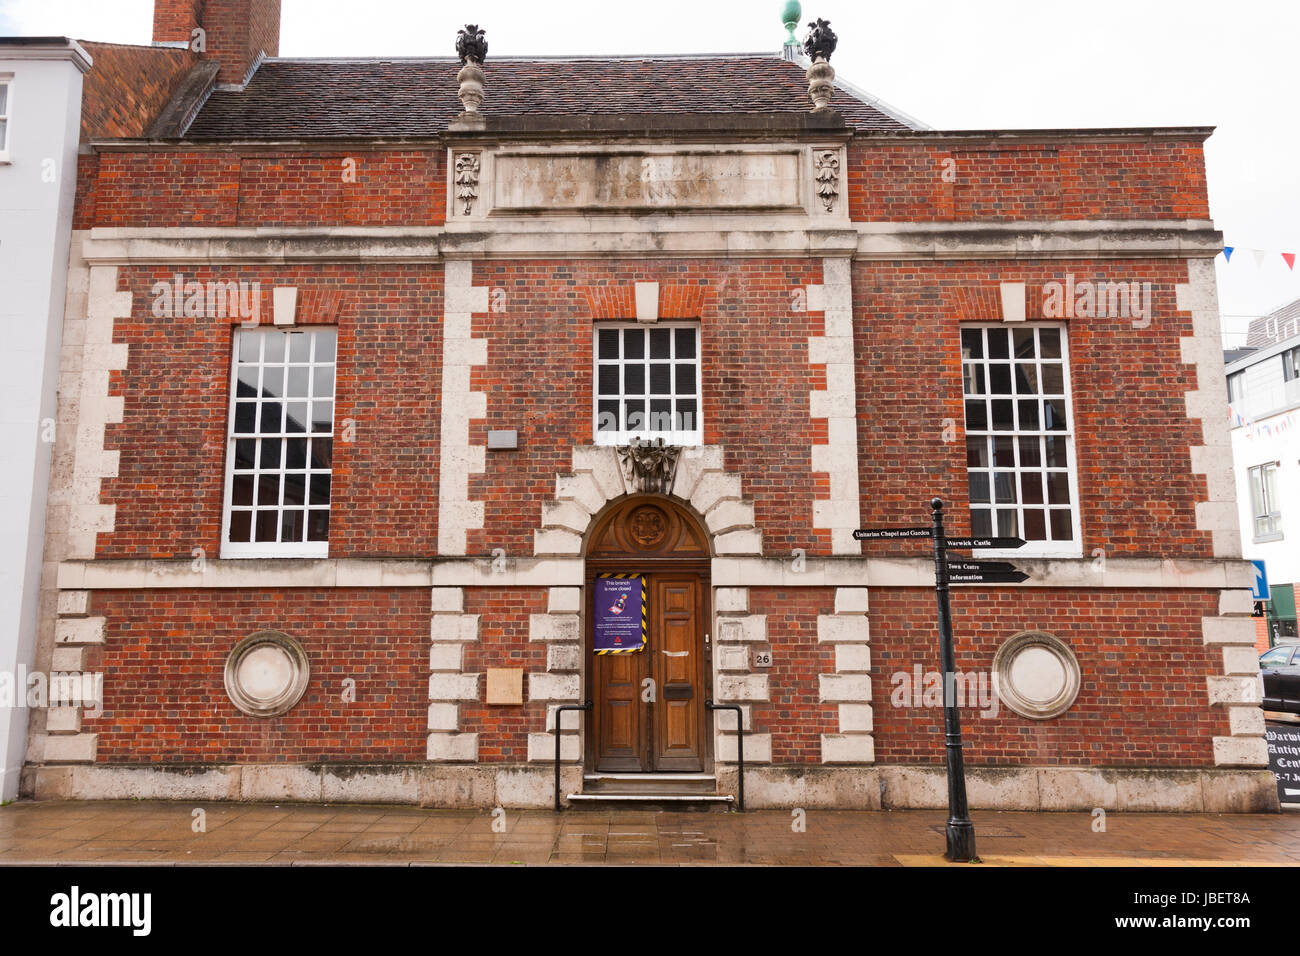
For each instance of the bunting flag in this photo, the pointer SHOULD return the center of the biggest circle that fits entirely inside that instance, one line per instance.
(1275, 426)
(1261, 256)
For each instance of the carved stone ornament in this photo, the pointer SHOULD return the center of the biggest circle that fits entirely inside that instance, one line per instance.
(827, 174)
(467, 170)
(471, 44)
(649, 467)
(821, 40)
(819, 46)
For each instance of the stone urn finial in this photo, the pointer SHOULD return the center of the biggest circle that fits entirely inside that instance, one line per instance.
(819, 46)
(471, 47)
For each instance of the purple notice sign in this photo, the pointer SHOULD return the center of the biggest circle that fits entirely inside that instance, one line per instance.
(620, 621)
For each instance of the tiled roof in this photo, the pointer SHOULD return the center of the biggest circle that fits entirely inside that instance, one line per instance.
(1275, 327)
(417, 97)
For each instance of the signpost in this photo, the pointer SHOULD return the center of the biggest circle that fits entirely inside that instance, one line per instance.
(960, 830)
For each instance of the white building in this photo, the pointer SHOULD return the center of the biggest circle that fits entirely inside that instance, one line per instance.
(40, 119)
(1264, 397)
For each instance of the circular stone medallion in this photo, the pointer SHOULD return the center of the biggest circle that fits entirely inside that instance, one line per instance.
(267, 674)
(1036, 675)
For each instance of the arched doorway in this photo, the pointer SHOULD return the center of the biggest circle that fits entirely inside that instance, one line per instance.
(648, 706)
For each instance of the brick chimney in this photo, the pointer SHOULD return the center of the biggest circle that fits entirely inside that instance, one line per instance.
(235, 32)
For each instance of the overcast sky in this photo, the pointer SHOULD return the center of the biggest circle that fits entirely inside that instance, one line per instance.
(954, 64)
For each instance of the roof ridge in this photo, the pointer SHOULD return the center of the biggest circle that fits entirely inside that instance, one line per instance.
(557, 58)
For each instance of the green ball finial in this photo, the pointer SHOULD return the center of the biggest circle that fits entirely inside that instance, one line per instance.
(790, 15)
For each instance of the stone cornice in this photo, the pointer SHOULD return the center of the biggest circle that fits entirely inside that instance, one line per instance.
(738, 571)
(587, 236)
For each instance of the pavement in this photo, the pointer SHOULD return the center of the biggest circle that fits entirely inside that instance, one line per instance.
(158, 832)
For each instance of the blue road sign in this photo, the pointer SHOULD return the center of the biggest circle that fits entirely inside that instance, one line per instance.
(1260, 590)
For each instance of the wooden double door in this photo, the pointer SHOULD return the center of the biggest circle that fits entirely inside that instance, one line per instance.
(648, 707)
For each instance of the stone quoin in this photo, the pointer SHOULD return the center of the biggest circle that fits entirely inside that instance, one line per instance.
(481, 285)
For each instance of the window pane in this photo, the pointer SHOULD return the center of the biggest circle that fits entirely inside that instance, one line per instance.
(268, 490)
(981, 522)
(979, 487)
(634, 416)
(299, 376)
(660, 343)
(270, 417)
(634, 379)
(685, 343)
(322, 416)
(271, 452)
(291, 526)
(972, 343)
(325, 339)
(607, 380)
(1008, 524)
(1031, 455)
(241, 491)
(274, 352)
(295, 453)
(295, 489)
(295, 418)
(977, 452)
(320, 489)
(318, 525)
(607, 416)
(245, 417)
(268, 524)
(241, 525)
(634, 343)
(1035, 525)
(1062, 524)
(1004, 452)
(660, 378)
(1026, 379)
(1058, 487)
(1054, 415)
(1049, 343)
(322, 453)
(977, 419)
(1028, 416)
(1000, 379)
(998, 346)
(685, 378)
(686, 414)
(1003, 419)
(1056, 456)
(607, 342)
(245, 453)
(322, 385)
(250, 347)
(1031, 488)
(246, 382)
(1004, 487)
(1053, 379)
(1022, 341)
(974, 379)
(661, 415)
(299, 347)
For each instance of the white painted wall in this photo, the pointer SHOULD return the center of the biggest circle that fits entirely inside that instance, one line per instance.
(37, 186)
(1251, 447)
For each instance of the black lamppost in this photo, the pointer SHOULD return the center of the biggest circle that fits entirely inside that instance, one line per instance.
(961, 832)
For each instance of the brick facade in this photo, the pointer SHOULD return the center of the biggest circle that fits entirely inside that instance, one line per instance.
(831, 380)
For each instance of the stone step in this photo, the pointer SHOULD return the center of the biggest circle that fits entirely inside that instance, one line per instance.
(676, 801)
(680, 784)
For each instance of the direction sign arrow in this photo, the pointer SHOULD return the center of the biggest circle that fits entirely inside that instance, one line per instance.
(1009, 543)
(976, 567)
(891, 534)
(989, 577)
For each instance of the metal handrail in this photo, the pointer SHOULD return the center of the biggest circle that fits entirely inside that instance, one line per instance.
(585, 705)
(740, 742)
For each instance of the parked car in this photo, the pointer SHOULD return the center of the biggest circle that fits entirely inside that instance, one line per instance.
(1280, 671)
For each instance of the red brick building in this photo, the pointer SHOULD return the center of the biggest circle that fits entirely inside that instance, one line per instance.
(352, 372)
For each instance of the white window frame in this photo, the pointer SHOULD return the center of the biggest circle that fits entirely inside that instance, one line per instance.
(1272, 509)
(1059, 548)
(692, 437)
(6, 115)
(274, 549)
